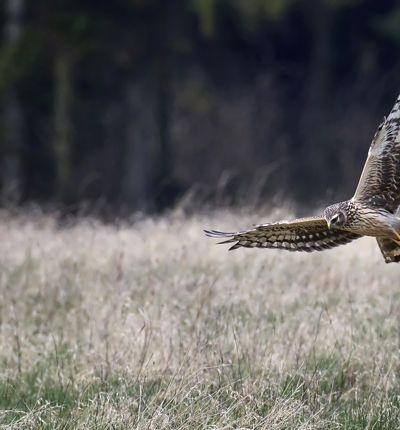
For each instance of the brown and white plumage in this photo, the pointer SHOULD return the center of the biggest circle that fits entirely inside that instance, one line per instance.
(371, 211)
(379, 184)
(303, 234)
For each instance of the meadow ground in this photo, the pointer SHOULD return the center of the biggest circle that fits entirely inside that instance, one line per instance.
(153, 326)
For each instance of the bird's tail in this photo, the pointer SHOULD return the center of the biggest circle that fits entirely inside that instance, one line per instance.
(390, 250)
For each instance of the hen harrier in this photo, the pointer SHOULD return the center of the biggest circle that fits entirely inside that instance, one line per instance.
(370, 212)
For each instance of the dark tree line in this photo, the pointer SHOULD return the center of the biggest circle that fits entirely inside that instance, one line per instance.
(136, 103)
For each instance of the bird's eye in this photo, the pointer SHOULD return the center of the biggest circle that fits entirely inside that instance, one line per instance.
(335, 219)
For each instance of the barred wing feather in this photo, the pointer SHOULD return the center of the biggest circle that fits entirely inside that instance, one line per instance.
(303, 234)
(379, 184)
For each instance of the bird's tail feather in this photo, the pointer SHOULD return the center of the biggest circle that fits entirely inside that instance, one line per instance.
(390, 250)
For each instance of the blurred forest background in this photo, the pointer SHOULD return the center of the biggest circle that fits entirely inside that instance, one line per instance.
(136, 104)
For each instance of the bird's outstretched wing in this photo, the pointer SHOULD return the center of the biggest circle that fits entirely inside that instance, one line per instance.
(379, 184)
(303, 234)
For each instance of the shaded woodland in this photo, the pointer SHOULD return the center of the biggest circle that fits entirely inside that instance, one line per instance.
(139, 104)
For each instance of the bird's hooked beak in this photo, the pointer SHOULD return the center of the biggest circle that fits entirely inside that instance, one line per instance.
(329, 225)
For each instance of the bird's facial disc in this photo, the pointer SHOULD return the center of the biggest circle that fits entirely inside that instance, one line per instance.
(337, 220)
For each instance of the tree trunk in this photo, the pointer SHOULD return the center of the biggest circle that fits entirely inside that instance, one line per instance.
(320, 64)
(148, 162)
(63, 96)
(313, 119)
(13, 117)
(141, 143)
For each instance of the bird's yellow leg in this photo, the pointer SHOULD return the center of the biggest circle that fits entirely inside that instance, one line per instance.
(398, 237)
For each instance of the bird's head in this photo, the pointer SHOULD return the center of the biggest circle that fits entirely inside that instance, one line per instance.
(335, 216)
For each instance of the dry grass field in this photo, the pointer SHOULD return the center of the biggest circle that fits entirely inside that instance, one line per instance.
(153, 326)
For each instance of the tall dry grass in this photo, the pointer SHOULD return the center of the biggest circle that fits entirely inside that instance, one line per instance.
(152, 325)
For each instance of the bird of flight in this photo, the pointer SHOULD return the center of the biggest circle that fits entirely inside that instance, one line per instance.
(370, 212)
